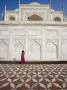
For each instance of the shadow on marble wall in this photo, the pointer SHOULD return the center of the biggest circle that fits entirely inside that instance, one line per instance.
(34, 62)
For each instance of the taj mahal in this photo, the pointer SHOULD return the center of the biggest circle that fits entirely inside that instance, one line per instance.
(35, 28)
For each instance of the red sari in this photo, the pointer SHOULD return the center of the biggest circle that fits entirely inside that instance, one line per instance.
(23, 58)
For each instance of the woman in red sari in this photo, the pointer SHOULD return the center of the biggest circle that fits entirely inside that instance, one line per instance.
(23, 58)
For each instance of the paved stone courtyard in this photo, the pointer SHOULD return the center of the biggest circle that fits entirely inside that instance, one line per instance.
(33, 77)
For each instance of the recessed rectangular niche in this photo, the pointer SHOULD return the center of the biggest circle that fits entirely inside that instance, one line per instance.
(19, 32)
(34, 33)
(4, 33)
(51, 34)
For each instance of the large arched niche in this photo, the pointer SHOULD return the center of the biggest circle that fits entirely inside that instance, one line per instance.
(57, 19)
(12, 18)
(35, 17)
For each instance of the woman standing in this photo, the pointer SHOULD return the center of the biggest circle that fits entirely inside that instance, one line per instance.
(23, 58)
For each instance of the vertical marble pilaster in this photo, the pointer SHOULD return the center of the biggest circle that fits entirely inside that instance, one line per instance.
(10, 45)
(43, 43)
(59, 46)
(26, 45)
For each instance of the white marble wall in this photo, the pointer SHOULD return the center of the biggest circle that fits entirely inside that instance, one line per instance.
(39, 43)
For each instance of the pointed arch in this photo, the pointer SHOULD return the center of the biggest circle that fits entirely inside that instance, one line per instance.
(12, 18)
(57, 19)
(35, 17)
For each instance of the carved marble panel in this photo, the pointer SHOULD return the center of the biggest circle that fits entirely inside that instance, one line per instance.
(64, 49)
(51, 49)
(4, 47)
(64, 34)
(19, 45)
(34, 49)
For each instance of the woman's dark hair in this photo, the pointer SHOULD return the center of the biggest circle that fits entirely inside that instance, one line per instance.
(22, 51)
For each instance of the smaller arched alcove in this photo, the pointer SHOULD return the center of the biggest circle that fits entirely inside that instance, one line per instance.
(57, 19)
(35, 17)
(12, 18)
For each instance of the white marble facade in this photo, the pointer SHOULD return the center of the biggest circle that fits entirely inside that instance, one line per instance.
(42, 40)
